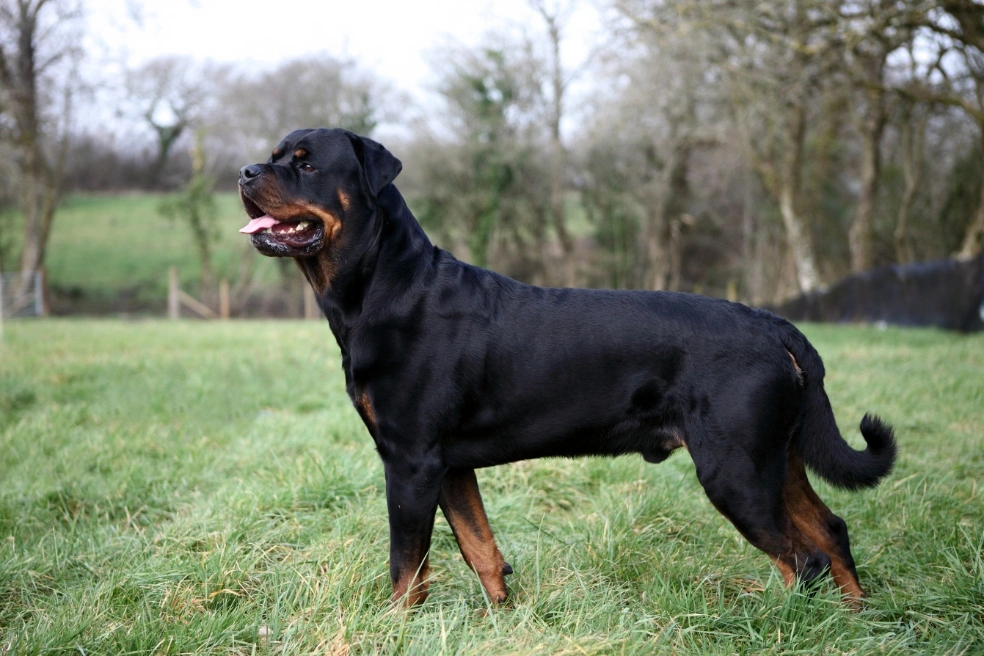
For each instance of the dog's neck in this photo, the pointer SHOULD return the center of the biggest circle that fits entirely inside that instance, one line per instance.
(392, 256)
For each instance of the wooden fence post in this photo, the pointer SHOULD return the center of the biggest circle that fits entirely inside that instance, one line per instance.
(173, 308)
(42, 292)
(224, 299)
(310, 304)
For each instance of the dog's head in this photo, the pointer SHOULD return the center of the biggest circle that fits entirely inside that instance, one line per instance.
(316, 185)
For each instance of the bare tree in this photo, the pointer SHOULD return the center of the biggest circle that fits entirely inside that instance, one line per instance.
(37, 46)
(195, 206)
(871, 31)
(773, 56)
(954, 40)
(256, 110)
(169, 94)
(554, 18)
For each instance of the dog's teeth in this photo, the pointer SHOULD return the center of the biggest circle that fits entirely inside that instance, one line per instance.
(264, 230)
(302, 225)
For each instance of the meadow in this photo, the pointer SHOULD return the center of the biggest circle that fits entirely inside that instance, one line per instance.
(207, 488)
(111, 253)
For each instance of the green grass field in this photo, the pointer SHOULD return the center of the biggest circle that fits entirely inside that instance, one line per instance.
(206, 488)
(111, 251)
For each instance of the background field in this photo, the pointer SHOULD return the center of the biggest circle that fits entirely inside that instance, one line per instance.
(207, 488)
(110, 254)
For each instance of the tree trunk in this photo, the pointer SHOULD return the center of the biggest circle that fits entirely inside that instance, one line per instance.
(41, 180)
(913, 138)
(753, 239)
(167, 136)
(661, 203)
(975, 231)
(862, 230)
(557, 154)
(797, 235)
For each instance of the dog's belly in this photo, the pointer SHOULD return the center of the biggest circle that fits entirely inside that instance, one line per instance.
(486, 448)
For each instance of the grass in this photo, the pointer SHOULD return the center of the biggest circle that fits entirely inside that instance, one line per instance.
(187, 487)
(111, 251)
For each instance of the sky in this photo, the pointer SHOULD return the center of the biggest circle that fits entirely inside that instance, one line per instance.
(398, 41)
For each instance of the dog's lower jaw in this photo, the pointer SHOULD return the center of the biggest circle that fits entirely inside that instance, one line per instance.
(267, 245)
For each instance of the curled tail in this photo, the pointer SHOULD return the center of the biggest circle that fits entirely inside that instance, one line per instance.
(817, 439)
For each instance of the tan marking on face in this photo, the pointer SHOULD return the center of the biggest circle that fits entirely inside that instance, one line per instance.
(344, 200)
(276, 153)
(319, 271)
(320, 268)
(299, 153)
(461, 502)
(293, 211)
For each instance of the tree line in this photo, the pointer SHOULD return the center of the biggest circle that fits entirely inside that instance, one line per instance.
(735, 147)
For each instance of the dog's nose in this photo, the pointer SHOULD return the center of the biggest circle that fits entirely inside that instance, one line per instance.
(249, 172)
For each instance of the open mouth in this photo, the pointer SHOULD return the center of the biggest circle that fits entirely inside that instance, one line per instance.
(296, 236)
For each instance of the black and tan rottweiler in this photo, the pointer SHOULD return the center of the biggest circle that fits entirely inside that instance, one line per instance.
(453, 367)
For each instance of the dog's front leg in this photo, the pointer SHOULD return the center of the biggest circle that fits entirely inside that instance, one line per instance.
(412, 488)
(462, 505)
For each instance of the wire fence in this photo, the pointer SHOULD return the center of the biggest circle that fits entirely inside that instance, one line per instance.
(21, 294)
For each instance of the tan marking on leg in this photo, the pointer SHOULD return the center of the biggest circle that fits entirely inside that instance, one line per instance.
(787, 571)
(366, 410)
(784, 544)
(799, 372)
(813, 518)
(412, 586)
(461, 503)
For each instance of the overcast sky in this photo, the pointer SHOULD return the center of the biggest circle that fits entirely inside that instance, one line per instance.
(396, 40)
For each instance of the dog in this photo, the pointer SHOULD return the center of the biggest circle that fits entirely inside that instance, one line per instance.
(453, 367)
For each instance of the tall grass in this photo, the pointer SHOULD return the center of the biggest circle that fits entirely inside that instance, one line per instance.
(186, 487)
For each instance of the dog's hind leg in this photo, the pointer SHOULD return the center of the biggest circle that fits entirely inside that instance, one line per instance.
(461, 502)
(823, 527)
(749, 494)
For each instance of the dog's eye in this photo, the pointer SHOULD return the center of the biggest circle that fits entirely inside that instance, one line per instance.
(307, 168)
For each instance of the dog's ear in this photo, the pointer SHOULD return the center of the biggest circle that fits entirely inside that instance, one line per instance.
(380, 165)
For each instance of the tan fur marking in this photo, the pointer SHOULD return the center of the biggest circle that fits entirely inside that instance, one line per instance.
(411, 588)
(788, 573)
(319, 271)
(276, 153)
(344, 200)
(812, 518)
(367, 411)
(796, 366)
(299, 153)
(462, 504)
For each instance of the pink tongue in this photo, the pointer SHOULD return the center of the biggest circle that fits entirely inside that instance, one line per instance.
(265, 221)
